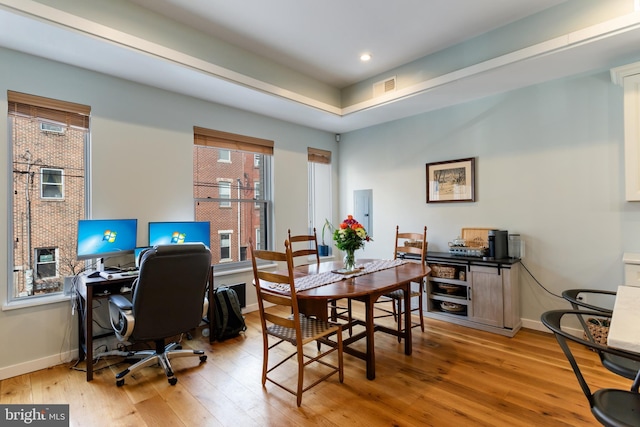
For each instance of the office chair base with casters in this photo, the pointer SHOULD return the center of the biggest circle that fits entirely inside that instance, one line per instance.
(160, 356)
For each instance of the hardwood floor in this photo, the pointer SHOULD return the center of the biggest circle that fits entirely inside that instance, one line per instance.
(455, 377)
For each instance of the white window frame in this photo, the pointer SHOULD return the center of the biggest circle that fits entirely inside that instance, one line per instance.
(227, 233)
(320, 198)
(51, 128)
(54, 261)
(256, 194)
(226, 184)
(224, 155)
(44, 184)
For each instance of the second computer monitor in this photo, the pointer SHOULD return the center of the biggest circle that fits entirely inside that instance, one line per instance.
(177, 232)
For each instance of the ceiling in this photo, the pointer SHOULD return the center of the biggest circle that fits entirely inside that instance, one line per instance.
(322, 40)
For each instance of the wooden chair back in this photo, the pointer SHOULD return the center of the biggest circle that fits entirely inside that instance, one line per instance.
(411, 243)
(262, 279)
(304, 245)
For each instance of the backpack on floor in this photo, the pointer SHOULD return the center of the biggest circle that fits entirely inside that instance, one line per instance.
(229, 321)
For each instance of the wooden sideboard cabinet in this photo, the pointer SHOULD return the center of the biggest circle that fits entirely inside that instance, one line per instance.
(473, 292)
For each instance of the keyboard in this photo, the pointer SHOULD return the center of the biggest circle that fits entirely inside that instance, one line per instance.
(118, 275)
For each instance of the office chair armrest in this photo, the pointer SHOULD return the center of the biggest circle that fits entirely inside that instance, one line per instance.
(121, 316)
(121, 302)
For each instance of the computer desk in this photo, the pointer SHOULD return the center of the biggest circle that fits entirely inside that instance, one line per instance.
(91, 289)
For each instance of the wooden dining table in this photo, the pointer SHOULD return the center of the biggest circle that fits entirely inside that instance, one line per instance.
(366, 288)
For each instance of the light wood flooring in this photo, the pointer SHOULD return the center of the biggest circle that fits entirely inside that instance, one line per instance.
(456, 376)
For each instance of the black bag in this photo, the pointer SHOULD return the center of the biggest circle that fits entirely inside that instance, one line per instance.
(228, 314)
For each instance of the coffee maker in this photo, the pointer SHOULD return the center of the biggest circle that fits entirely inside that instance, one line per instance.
(498, 244)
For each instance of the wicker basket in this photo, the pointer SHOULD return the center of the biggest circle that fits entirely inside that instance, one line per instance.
(451, 307)
(599, 329)
(443, 271)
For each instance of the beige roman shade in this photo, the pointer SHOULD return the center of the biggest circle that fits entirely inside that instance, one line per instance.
(231, 141)
(67, 113)
(315, 155)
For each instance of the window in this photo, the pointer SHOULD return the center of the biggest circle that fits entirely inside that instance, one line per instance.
(225, 246)
(51, 184)
(320, 199)
(48, 142)
(50, 127)
(234, 196)
(256, 193)
(224, 156)
(224, 193)
(46, 261)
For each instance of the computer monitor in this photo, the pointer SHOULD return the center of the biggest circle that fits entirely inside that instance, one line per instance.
(177, 232)
(137, 253)
(100, 238)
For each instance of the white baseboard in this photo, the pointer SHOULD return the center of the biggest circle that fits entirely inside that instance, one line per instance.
(37, 364)
(537, 325)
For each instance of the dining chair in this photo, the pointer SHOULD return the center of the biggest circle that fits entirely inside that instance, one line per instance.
(282, 322)
(578, 298)
(416, 245)
(306, 246)
(610, 406)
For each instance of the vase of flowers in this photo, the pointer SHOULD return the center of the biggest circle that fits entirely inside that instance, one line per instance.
(349, 237)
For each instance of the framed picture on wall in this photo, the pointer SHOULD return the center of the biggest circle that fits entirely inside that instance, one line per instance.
(451, 181)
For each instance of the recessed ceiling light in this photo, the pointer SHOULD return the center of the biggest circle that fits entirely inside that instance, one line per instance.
(365, 57)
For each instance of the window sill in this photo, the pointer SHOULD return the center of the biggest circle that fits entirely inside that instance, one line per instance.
(36, 301)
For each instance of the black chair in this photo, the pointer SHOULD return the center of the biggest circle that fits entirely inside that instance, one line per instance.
(611, 407)
(575, 298)
(167, 301)
(618, 365)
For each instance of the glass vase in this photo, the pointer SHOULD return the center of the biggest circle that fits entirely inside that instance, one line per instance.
(349, 260)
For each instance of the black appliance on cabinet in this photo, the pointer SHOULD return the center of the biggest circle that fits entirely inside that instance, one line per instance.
(498, 244)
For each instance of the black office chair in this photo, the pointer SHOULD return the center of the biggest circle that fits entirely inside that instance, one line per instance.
(611, 407)
(167, 301)
(618, 365)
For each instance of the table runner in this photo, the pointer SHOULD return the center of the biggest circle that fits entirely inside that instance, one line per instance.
(321, 279)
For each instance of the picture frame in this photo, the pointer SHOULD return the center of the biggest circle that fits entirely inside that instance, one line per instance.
(451, 181)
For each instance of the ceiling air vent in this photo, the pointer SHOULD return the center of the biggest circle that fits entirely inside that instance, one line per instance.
(388, 85)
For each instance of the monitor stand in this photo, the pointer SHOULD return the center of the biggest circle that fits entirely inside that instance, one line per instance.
(99, 265)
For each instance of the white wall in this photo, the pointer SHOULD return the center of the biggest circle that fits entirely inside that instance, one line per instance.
(549, 165)
(141, 167)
